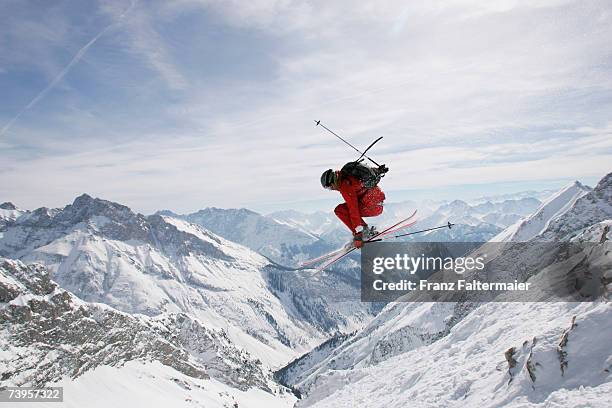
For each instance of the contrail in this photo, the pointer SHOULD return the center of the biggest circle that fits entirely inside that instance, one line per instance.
(77, 57)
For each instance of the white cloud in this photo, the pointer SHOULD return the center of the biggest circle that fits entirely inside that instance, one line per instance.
(458, 89)
(146, 41)
(58, 78)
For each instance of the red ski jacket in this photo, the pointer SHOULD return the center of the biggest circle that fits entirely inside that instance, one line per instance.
(352, 189)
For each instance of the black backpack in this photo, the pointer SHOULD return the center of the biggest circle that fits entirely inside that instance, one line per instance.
(369, 176)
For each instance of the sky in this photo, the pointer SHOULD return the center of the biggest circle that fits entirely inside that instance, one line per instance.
(193, 103)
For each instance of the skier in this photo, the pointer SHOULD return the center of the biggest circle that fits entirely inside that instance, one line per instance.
(358, 184)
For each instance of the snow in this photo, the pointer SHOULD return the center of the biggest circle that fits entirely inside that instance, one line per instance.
(596, 233)
(317, 223)
(154, 385)
(552, 208)
(410, 354)
(229, 247)
(495, 354)
(592, 208)
(102, 252)
(468, 368)
(397, 328)
(10, 215)
(279, 241)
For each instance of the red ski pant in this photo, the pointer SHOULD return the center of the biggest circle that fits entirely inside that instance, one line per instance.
(370, 205)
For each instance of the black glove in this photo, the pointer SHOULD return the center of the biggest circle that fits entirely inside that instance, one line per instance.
(382, 169)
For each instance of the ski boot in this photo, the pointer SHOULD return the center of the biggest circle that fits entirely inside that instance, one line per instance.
(361, 236)
(369, 232)
(358, 239)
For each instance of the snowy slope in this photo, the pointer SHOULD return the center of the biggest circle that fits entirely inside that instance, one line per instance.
(553, 207)
(157, 386)
(398, 328)
(488, 361)
(279, 241)
(296, 371)
(326, 225)
(476, 223)
(48, 334)
(8, 211)
(432, 346)
(317, 223)
(416, 329)
(8, 214)
(103, 252)
(593, 207)
(403, 327)
(600, 232)
(528, 194)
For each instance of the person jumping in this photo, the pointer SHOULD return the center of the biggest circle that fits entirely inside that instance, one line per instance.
(358, 184)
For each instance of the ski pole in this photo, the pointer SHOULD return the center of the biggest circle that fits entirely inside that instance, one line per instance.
(318, 122)
(448, 225)
(368, 148)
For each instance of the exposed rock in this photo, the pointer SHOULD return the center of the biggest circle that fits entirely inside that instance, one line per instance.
(51, 333)
(509, 356)
(562, 344)
(7, 206)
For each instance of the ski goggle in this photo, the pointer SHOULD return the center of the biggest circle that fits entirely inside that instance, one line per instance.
(328, 178)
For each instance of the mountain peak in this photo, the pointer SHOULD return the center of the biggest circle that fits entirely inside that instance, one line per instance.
(85, 206)
(87, 201)
(8, 206)
(579, 185)
(605, 183)
(215, 210)
(167, 213)
(456, 205)
(241, 210)
(83, 200)
(571, 188)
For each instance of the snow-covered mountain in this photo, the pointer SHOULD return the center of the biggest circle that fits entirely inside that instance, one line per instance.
(542, 354)
(500, 214)
(319, 223)
(9, 213)
(155, 385)
(552, 208)
(497, 198)
(162, 302)
(48, 335)
(329, 228)
(103, 252)
(280, 241)
(588, 209)
(479, 354)
(475, 222)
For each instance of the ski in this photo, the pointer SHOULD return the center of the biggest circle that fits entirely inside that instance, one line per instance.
(373, 239)
(448, 225)
(408, 223)
(395, 227)
(335, 258)
(398, 225)
(321, 258)
(405, 223)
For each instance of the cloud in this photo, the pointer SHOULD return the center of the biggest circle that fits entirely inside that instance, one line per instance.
(58, 78)
(146, 42)
(462, 91)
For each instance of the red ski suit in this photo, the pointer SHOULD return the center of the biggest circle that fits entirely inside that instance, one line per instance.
(359, 202)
